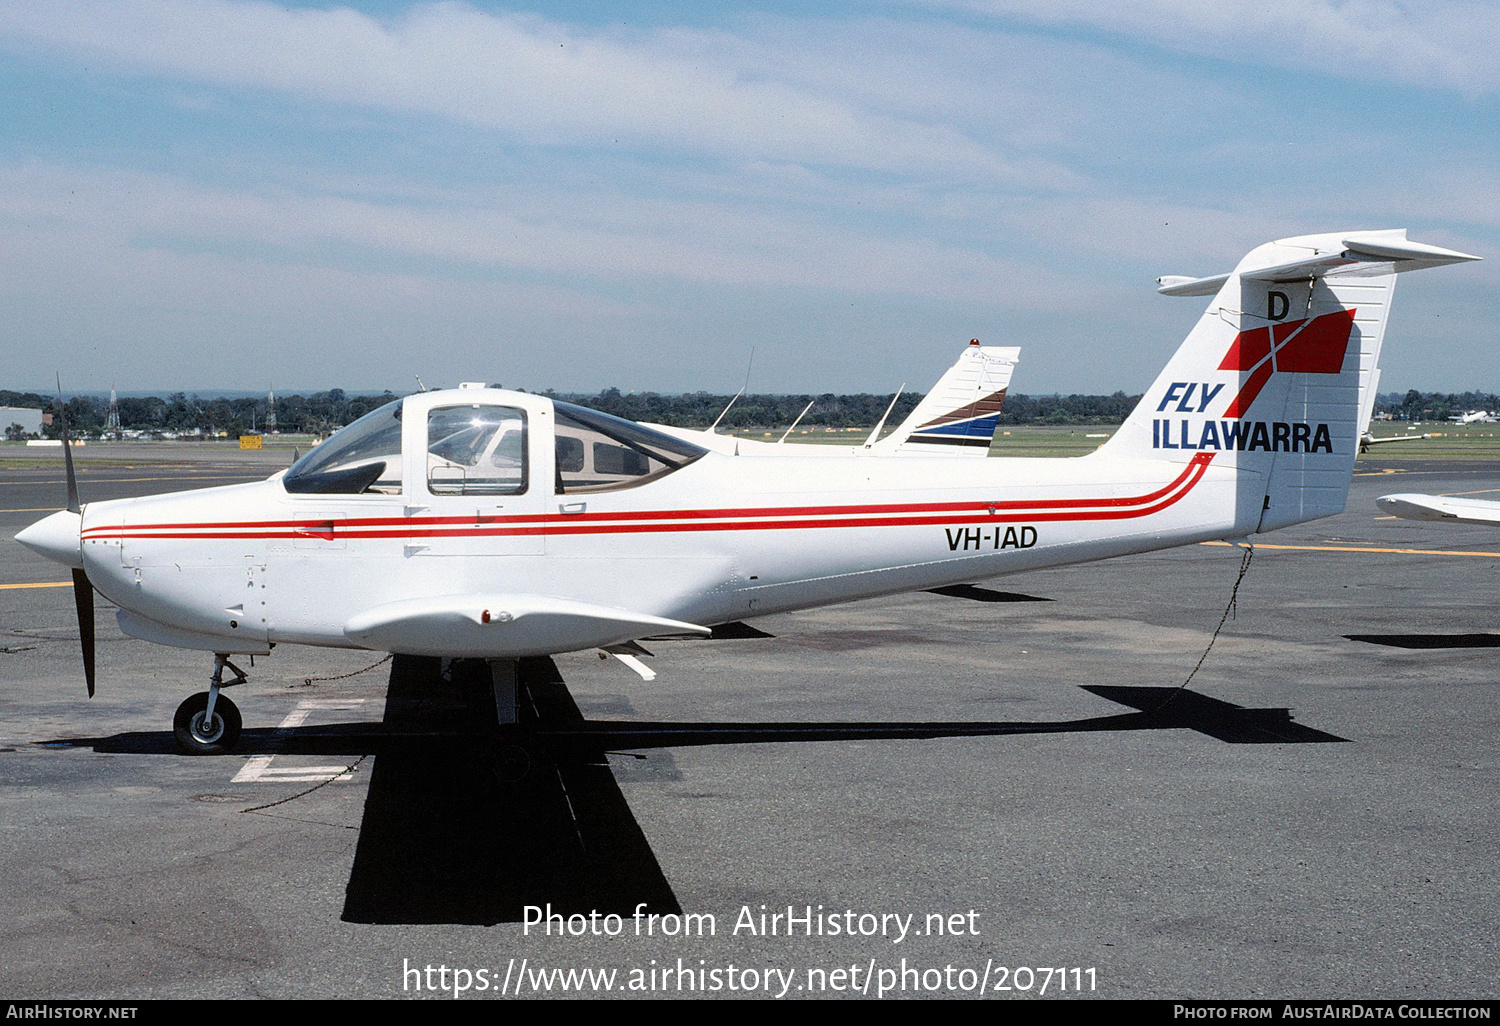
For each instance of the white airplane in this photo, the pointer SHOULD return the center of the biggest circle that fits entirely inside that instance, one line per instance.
(478, 522)
(1473, 417)
(1367, 439)
(958, 417)
(1366, 436)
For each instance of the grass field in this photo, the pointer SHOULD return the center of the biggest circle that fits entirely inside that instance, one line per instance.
(1450, 441)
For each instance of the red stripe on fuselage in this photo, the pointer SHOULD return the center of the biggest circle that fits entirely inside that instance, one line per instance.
(629, 522)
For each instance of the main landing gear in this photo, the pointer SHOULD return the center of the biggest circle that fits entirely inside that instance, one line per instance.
(511, 761)
(208, 723)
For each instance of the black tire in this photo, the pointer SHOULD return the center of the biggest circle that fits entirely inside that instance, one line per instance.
(510, 763)
(197, 738)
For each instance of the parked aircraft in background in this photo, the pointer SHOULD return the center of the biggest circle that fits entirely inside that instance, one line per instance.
(1367, 439)
(485, 523)
(959, 417)
(1367, 414)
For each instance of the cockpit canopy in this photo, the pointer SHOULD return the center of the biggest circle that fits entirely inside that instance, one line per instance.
(480, 447)
(363, 457)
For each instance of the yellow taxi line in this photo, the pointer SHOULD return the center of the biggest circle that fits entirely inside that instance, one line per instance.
(1364, 548)
(190, 476)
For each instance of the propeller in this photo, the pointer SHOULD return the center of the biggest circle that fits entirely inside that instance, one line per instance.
(83, 591)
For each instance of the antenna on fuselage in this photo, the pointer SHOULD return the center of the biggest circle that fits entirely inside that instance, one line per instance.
(419, 382)
(876, 433)
(796, 422)
(737, 394)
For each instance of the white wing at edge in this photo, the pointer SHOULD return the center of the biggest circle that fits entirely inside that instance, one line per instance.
(503, 626)
(1440, 507)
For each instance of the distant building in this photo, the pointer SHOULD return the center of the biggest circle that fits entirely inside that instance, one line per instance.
(29, 421)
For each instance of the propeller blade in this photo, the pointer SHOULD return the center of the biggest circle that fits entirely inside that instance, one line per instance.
(83, 598)
(83, 591)
(62, 431)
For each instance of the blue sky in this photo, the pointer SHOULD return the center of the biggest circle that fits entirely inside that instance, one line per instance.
(224, 194)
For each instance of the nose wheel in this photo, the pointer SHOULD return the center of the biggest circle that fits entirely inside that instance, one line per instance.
(200, 732)
(208, 723)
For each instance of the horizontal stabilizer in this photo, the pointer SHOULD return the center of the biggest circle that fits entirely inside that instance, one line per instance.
(1185, 285)
(499, 626)
(1403, 249)
(1356, 254)
(1440, 507)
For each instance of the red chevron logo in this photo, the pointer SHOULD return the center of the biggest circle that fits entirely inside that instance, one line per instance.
(1315, 346)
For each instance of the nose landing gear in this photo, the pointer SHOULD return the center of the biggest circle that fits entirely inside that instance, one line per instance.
(207, 723)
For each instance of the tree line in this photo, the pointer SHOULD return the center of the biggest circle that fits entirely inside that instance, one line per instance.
(322, 412)
(316, 413)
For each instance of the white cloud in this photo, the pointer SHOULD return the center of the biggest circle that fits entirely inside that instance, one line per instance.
(541, 81)
(587, 236)
(1446, 43)
(159, 282)
(828, 185)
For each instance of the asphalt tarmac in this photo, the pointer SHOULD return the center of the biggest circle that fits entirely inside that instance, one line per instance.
(993, 772)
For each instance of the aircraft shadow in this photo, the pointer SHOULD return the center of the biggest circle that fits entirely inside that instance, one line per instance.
(1429, 640)
(451, 835)
(1160, 709)
(978, 594)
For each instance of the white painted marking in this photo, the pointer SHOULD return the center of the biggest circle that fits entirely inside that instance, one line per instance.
(253, 770)
(258, 767)
(635, 664)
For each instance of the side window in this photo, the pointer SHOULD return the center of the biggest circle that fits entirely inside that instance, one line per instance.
(617, 461)
(476, 450)
(599, 453)
(569, 454)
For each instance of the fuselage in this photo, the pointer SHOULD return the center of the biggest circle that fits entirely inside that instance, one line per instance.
(719, 538)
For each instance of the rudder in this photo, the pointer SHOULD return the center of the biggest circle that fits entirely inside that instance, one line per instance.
(1274, 377)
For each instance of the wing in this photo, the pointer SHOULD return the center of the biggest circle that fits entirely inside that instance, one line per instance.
(500, 626)
(1440, 507)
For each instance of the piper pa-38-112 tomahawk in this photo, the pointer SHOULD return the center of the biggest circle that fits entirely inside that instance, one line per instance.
(482, 523)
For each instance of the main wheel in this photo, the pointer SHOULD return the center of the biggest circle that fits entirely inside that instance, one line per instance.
(510, 763)
(196, 735)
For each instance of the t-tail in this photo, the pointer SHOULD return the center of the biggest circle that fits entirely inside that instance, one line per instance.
(1275, 378)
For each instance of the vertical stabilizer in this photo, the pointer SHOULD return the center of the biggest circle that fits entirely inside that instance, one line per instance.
(958, 417)
(1277, 377)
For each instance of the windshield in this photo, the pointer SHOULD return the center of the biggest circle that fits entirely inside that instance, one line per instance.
(598, 453)
(363, 457)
